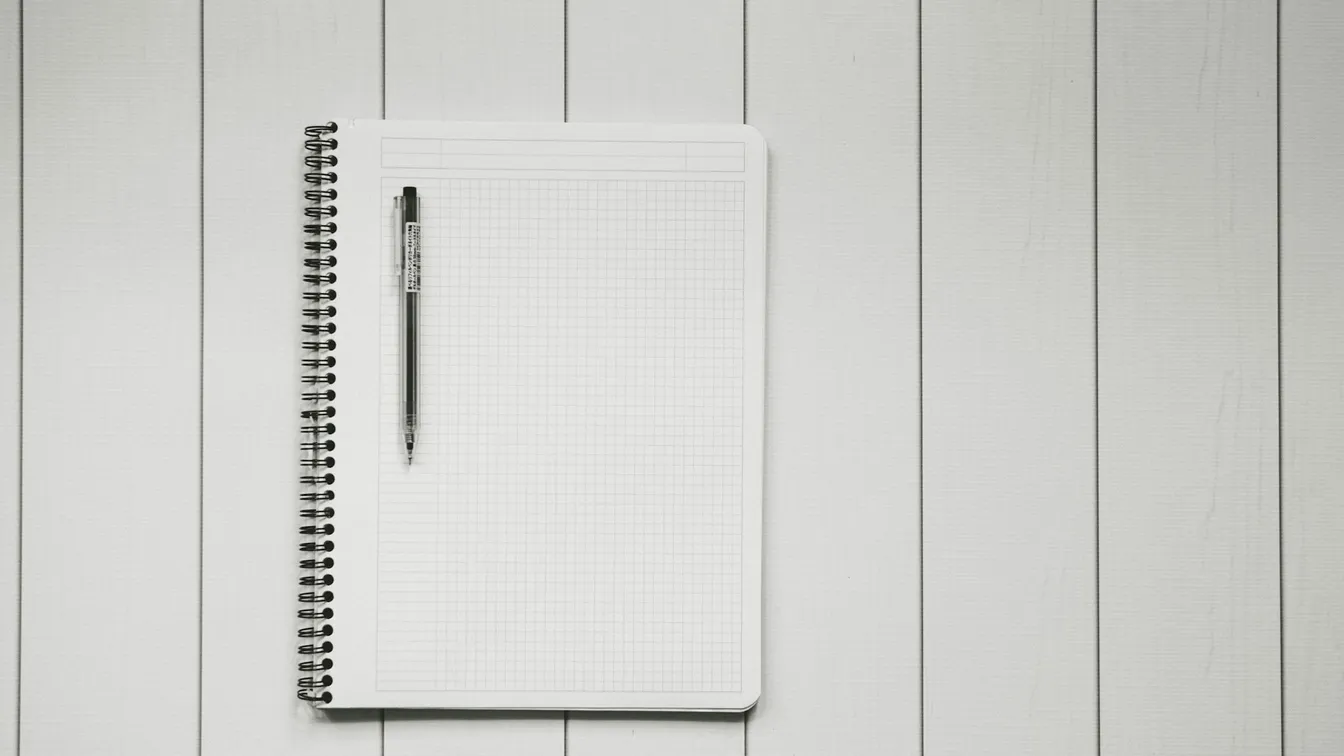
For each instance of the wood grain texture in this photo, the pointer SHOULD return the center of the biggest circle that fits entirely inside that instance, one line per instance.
(1313, 376)
(10, 354)
(111, 444)
(502, 60)
(655, 734)
(473, 733)
(1188, 378)
(270, 70)
(494, 61)
(833, 87)
(650, 61)
(1009, 423)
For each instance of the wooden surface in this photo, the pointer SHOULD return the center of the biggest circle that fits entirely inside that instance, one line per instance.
(1009, 409)
(262, 86)
(1313, 376)
(10, 314)
(1188, 361)
(1039, 319)
(833, 87)
(111, 377)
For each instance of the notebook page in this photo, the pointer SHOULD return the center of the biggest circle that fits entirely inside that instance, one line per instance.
(581, 521)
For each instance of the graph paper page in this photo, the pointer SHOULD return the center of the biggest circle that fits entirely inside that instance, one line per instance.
(580, 526)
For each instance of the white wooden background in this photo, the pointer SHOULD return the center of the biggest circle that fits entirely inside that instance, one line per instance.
(1056, 362)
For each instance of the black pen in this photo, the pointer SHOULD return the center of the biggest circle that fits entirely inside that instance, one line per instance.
(407, 220)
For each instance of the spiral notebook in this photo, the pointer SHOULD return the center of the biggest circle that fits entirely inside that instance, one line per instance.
(580, 527)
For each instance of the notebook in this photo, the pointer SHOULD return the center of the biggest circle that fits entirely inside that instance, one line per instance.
(580, 526)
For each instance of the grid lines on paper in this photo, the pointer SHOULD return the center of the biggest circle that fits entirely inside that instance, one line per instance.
(573, 520)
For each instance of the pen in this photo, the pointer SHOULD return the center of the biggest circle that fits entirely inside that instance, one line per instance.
(407, 220)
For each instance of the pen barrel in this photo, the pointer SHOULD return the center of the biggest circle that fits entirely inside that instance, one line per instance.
(407, 218)
(410, 353)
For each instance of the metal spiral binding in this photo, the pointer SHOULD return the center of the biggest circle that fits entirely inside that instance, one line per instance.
(317, 426)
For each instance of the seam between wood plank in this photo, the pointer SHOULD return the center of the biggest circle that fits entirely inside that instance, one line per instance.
(1278, 343)
(919, 318)
(1096, 365)
(382, 59)
(18, 618)
(382, 113)
(564, 86)
(200, 383)
(564, 116)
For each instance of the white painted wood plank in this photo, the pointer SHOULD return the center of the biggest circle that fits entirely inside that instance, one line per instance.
(1313, 374)
(270, 70)
(111, 455)
(473, 733)
(649, 61)
(833, 87)
(441, 733)
(494, 61)
(1009, 413)
(10, 251)
(655, 734)
(501, 60)
(1189, 504)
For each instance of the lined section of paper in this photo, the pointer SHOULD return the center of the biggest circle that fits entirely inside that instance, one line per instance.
(573, 519)
(549, 154)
